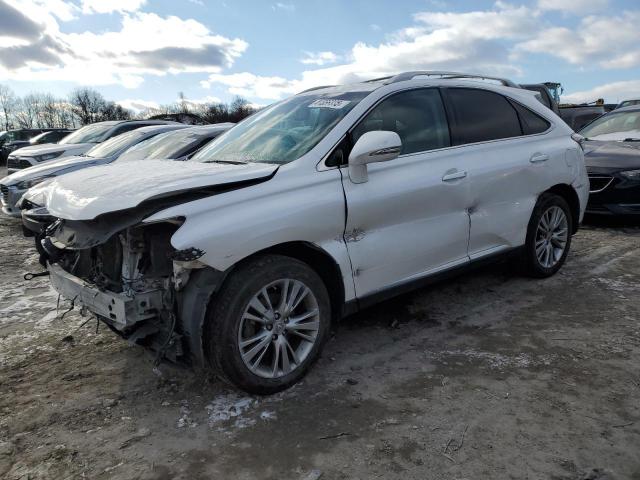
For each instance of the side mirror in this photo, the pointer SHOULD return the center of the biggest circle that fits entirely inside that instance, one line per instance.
(376, 146)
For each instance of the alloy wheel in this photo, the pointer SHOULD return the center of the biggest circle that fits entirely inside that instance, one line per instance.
(551, 236)
(279, 328)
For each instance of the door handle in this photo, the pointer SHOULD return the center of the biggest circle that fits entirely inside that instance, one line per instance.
(458, 174)
(538, 158)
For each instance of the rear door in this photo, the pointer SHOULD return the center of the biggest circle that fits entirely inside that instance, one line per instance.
(506, 168)
(409, 219)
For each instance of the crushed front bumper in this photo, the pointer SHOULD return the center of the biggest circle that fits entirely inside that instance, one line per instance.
(120, 309)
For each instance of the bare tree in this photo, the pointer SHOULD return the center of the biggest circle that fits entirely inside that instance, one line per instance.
(87, 104)
(26, 113)
(8, 103)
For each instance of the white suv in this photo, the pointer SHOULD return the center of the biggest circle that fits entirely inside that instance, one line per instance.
(239, 259)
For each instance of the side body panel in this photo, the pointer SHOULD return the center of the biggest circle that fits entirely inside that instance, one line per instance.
(506, 177)
(293, 206)
(405, 221)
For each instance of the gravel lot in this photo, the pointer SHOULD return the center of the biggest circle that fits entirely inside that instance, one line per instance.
(488, 376)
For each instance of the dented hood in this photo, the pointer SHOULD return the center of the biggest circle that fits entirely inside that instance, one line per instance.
(88, 193)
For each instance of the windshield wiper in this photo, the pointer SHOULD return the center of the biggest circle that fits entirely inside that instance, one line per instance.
(631, 140)
(230, 162)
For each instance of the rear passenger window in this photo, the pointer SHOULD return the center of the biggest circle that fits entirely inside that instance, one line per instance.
(531, 122)
(417, 116)
(480, 115)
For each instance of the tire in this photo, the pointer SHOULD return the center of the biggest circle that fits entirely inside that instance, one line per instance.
(231, 320)
(543, 256)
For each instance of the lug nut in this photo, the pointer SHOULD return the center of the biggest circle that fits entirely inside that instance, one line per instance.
(269, 327)
(275, 337)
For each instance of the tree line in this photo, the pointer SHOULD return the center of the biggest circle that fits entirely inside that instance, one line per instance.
(86, 105)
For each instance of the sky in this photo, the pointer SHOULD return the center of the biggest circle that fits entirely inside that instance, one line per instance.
(142, 53)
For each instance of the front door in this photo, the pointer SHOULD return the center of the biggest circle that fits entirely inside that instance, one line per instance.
(410, 218)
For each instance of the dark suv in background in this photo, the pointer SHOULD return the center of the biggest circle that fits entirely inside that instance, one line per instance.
(18, 135)
(25, 138)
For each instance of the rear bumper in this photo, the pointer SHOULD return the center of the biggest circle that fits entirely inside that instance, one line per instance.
(120, 309)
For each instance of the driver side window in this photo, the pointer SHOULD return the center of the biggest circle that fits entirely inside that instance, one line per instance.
(417, 116)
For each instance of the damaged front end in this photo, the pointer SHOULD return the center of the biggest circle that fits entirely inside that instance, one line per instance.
(132, 278)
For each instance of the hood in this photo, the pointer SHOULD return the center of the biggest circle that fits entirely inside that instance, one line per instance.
(52, 168)
(87, 193)
(37, 150)
(614, 155)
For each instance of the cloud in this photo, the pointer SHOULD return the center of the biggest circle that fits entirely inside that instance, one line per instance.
(609, 42)
(574, 6)
(319, 58)
(138, 106)
(145, 44)
(110, 6)
(15, 24)
(612, 92)
(472, 41)
(287, 7)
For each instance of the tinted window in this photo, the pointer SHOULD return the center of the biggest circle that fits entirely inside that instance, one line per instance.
(480, 115)
(417, 116)
(531, 122)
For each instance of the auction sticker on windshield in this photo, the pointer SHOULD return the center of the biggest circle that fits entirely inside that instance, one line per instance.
(329, 103)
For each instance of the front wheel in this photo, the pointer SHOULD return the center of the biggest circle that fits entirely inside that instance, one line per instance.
(268, 324)
(548, 236)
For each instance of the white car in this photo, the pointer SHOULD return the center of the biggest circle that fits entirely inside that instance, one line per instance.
(77, 143)
(15, 185)
(239, 259)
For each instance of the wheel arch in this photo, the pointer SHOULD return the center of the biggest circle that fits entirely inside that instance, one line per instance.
(571, 197)
(320, 261)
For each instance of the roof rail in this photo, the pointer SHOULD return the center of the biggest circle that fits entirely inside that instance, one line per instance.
(315, 88)
(447, 75)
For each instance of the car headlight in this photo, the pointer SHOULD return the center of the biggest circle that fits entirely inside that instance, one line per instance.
(27, 184)
(47, 156)
(631, 174)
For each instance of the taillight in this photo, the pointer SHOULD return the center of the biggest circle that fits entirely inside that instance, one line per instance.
(579, 139)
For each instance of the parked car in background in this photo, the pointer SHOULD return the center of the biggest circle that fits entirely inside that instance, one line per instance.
(76, 143)
(11, 136)
(239, 259)
(13, 186)
(628, 103)
(176, 145)
(574, 115)
(612, 156)
(52, 136)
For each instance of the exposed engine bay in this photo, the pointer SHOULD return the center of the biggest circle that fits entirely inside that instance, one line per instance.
(130, 281)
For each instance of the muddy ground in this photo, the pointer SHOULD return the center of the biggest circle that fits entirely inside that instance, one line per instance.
(488, 376)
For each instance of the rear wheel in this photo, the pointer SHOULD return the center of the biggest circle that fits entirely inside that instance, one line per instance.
(268, 324)
(548, 236)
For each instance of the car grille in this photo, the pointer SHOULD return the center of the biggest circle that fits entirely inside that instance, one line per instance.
(4, 191)
(599, 182)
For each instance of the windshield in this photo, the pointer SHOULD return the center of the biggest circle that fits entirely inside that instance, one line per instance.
(89, 134)
(614, 126)
(282, 133)
(166, 145)
(116, 144)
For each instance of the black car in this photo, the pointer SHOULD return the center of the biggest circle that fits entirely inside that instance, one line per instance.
(612, 156)
(22, 137)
